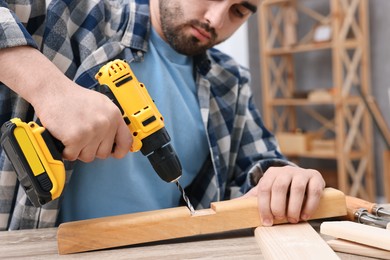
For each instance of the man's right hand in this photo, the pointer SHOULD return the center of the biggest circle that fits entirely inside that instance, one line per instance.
(86, 122)
(88, 125)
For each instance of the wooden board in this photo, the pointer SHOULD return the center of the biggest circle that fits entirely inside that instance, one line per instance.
(359, 233)
(129, 229)
(293, 241)
(344, 246)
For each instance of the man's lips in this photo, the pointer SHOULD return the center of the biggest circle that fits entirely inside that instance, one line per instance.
(201, 34)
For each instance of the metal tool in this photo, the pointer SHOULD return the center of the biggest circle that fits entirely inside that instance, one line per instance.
(118, 82)
(380, 211)
(144, 121)
(354, 203)
(363, 216)
(186, 199)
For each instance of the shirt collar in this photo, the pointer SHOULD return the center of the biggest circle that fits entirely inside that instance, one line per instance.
(138, 27)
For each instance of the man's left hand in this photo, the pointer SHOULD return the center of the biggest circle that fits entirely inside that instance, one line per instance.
(288, 192)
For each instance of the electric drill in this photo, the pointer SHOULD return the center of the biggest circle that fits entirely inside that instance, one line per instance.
(37, 159)
(142, 117)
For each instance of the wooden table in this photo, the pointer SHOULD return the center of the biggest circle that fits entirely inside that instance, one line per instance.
(42, 244)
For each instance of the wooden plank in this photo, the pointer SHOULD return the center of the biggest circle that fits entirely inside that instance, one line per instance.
(359, 233)
(28, 243)
(293, 241)
(344, 246)
(171, 223)
(41, 244)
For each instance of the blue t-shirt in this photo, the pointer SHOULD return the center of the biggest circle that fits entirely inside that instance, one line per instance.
(111, 187)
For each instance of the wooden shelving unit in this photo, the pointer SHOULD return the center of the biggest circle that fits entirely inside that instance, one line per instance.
(348, 126)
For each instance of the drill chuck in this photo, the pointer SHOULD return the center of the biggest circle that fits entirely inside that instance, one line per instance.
(162, 156)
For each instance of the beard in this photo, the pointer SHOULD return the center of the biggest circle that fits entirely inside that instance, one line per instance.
(175, 33)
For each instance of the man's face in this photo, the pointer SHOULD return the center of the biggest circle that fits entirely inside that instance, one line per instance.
(193, 26)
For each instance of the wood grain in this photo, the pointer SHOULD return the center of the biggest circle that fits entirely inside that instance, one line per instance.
(359, 233)
(293, 241)
(354, 203)
(349, 247)
(108, 232)
(232, 245)
(41, 244)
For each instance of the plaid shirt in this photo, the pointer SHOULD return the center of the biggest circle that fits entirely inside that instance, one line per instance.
(80, 36)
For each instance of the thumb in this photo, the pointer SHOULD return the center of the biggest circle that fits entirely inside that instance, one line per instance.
(251, 193)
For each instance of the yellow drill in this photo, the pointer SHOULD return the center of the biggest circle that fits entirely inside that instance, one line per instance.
(142, 117)
(30, 150)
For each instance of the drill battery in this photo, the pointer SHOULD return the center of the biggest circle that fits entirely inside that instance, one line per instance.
(36, 159)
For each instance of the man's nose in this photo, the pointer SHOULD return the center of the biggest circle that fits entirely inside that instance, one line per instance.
(216, 14)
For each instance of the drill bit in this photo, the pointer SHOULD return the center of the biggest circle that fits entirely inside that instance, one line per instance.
(186, 199)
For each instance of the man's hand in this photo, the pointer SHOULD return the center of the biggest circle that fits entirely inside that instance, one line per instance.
(88, 125)
(85, 121)
(288, 192)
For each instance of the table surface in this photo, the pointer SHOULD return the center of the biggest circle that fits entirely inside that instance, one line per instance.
(42, 244)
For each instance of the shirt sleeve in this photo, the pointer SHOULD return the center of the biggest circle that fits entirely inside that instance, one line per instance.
(257, 150)
(12, 31)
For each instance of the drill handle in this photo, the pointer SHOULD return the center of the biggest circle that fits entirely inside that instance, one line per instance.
(104, 89)
(55, 146)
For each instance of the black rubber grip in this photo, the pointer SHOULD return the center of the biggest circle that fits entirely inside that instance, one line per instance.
(55, 146)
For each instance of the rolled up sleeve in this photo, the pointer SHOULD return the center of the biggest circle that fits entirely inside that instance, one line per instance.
(12, 31)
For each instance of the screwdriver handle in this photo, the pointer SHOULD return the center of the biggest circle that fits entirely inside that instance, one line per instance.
(354, 203)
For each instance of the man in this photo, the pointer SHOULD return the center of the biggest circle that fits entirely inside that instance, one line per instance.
(203, 94)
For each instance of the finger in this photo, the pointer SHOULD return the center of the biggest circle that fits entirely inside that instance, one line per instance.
(70, 153)
(280, 191)
(88, 153)
(265, 209)
(296, 200)
(313, 196)
(264, 203)
(105, 148)
(251, 193)
(123, 141)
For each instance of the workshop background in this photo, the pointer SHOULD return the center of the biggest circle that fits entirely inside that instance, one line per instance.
(249, 54)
